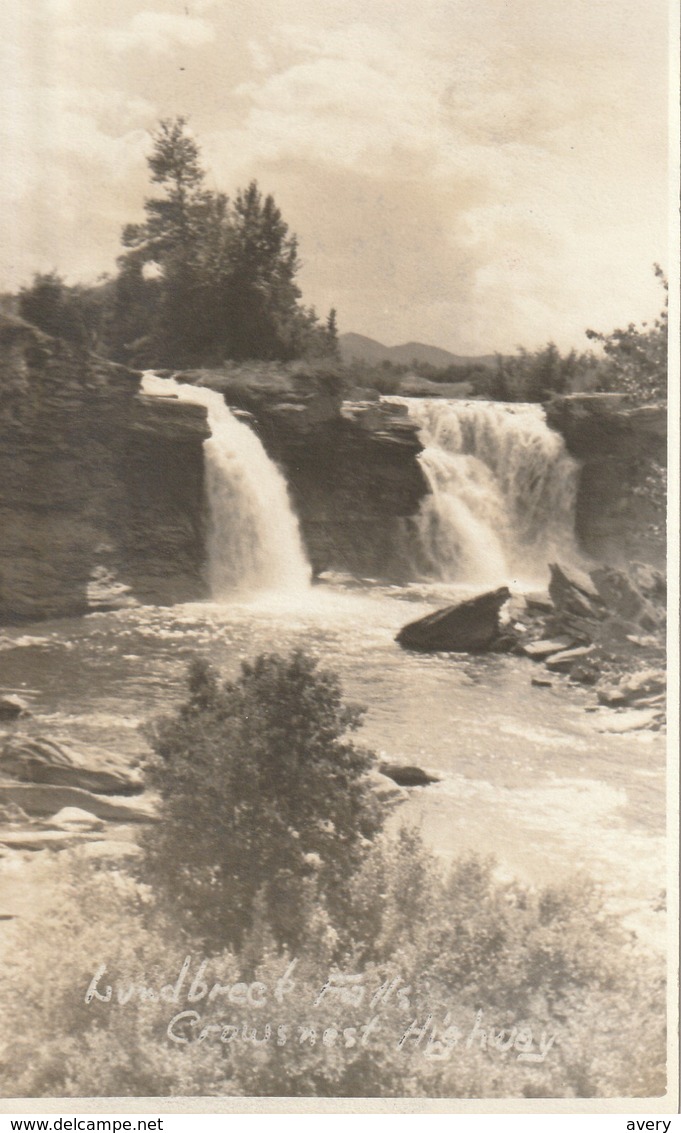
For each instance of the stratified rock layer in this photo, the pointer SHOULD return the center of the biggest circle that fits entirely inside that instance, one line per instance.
(95, 481)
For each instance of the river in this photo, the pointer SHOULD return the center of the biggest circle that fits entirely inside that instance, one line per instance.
(527, 773)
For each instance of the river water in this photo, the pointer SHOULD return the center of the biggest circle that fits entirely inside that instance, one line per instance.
(527, 773)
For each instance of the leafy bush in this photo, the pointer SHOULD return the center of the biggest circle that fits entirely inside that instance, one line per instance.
(427, 956)
(533, 375)
(635, 360)
(262, 799)
(54, 1042)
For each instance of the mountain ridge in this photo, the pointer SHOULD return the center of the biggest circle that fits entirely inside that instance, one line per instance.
(361, 348)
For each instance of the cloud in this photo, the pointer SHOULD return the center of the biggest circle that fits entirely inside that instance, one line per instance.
(73, 175)
(160, 33)
(479, 175)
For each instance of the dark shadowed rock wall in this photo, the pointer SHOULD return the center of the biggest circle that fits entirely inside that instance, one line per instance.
(96, 483)
(621, 449)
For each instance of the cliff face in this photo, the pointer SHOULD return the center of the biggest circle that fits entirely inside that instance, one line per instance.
(621, 449)
(351, 467)
(100, 487)
(353, 481)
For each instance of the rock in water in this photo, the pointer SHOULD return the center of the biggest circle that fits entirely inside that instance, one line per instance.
(563, 662)
(631, 720)
(635, 688)
(11, 707)
(386, 789)
(406, 775)
(465, 628)
(38, 760)
(74, 818)
(539, 650)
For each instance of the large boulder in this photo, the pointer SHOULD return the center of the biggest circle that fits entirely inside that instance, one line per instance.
(34, 759)
(467, 627)
(573, 591)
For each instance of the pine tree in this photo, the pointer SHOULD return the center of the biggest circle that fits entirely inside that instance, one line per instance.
(219, 275)
(56, 308)
(263, 293)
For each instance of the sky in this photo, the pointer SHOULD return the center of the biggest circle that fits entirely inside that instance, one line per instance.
(475, 174)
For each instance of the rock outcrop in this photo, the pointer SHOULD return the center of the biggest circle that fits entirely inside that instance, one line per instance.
(617, 444)
(43, 801)
(351, 467)
(605, 629)
(12, 707)
(54, 796)
(97, 483)
(33, 759)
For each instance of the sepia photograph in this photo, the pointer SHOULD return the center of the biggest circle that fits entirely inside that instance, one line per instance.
(334, 757)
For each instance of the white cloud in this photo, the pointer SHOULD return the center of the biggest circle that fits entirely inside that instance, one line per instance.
(160, 33)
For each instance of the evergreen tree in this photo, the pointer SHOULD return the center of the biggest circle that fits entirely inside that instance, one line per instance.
(225, 271)
(59, 310)
(262, 291)
(331, 332)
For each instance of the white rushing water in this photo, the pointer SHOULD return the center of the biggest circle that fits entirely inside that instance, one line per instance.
(254, 541)
(502, 492)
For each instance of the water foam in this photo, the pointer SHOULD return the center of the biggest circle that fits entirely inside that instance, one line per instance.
(254, 541)
(502, 492)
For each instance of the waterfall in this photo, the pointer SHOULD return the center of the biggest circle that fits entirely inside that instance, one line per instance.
(502, 492)
(253, 539)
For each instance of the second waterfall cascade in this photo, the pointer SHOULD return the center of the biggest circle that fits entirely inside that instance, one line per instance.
(502, 493)
(253, 541)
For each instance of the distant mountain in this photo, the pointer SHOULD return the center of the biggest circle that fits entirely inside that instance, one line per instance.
(359, 348)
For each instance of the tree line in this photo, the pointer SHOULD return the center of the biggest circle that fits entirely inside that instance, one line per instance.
(204, 279)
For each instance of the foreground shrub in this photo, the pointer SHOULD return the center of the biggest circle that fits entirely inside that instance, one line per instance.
(263, 799)
(443, 1008)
